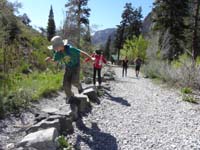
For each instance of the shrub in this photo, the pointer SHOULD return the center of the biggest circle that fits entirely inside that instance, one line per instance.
(186, 90)
(181, 72)
(189, 98)
(63, 144)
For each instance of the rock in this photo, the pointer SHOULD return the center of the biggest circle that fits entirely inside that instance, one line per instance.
(65, 123)
(108, 76)
(84, 105)
(50, 110)
(45, 124)
(10, 146)
(92, 95)
(63, 110)
(88, 80)
(59, 118)
(74, 100)
(74, 113)
(41, 116)
(41, 140)
(27, 148)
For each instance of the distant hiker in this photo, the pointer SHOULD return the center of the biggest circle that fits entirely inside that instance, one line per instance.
(124, 66)
(138, 63)
(65, 54)
(97, 65)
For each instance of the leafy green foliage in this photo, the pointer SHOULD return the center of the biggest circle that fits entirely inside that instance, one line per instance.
(63, 144)
(135, 47)
(169, 19)
(189, 98)
(186, 90)
(130, 26)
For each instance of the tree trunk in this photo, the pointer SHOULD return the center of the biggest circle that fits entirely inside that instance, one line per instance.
(4, 70)
(194, 37)
(79, 25)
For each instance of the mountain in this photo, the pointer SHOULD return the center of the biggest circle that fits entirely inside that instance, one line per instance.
(100, 37)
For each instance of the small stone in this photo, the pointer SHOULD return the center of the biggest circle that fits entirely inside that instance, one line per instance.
(10, 146)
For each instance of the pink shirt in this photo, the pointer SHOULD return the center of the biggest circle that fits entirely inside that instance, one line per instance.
(99, 60)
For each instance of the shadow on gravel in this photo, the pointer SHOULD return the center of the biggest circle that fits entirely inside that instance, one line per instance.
(96, 139)
(117, 99)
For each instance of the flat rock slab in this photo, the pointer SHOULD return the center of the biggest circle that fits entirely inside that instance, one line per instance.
(45, 124)
(61, 110)
(41, 140)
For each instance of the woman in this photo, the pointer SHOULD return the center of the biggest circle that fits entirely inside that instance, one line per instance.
(97, 65)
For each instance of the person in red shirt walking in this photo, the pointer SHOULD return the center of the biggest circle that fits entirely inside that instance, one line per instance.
(99, 59)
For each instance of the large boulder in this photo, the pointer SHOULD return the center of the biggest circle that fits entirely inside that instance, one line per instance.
(41, 140)
(84, 105)
(92, 95)
(59, 118)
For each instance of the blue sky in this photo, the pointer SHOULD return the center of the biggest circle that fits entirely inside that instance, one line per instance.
(104, 13)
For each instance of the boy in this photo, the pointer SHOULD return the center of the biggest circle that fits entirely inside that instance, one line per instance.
(70, 56)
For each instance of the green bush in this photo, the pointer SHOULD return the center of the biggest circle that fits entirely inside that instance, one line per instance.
(186, 90)
(63, 144)
(189, 98)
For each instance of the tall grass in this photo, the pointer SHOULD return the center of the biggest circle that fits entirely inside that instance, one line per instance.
(30, 87)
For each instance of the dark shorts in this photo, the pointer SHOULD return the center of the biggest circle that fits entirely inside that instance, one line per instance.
(137, 68)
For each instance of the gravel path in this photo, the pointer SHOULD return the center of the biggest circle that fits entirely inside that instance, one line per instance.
(138, 114)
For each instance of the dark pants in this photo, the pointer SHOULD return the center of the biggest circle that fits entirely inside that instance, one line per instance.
(137, 67)
(124, 70)
(71, 77)
(99, 75)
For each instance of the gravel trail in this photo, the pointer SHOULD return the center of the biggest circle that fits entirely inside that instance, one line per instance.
(137, 114)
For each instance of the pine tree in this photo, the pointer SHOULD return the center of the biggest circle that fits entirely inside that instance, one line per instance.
(25, 19)
(119, 39)
(130, 25)
(79, 13)
(169, 18)
(107, 48)
(195, 36)
(131, 19)
(51, 28)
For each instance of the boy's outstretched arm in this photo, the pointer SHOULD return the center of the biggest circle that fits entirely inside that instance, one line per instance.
(49, 59)
(86, 55)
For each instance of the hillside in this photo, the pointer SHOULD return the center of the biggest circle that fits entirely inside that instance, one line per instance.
(150, 35)
(100, 37)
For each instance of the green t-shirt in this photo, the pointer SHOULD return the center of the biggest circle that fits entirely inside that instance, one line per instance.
(70, 56)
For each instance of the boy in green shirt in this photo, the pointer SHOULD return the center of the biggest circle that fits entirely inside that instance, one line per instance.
(70, 56)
